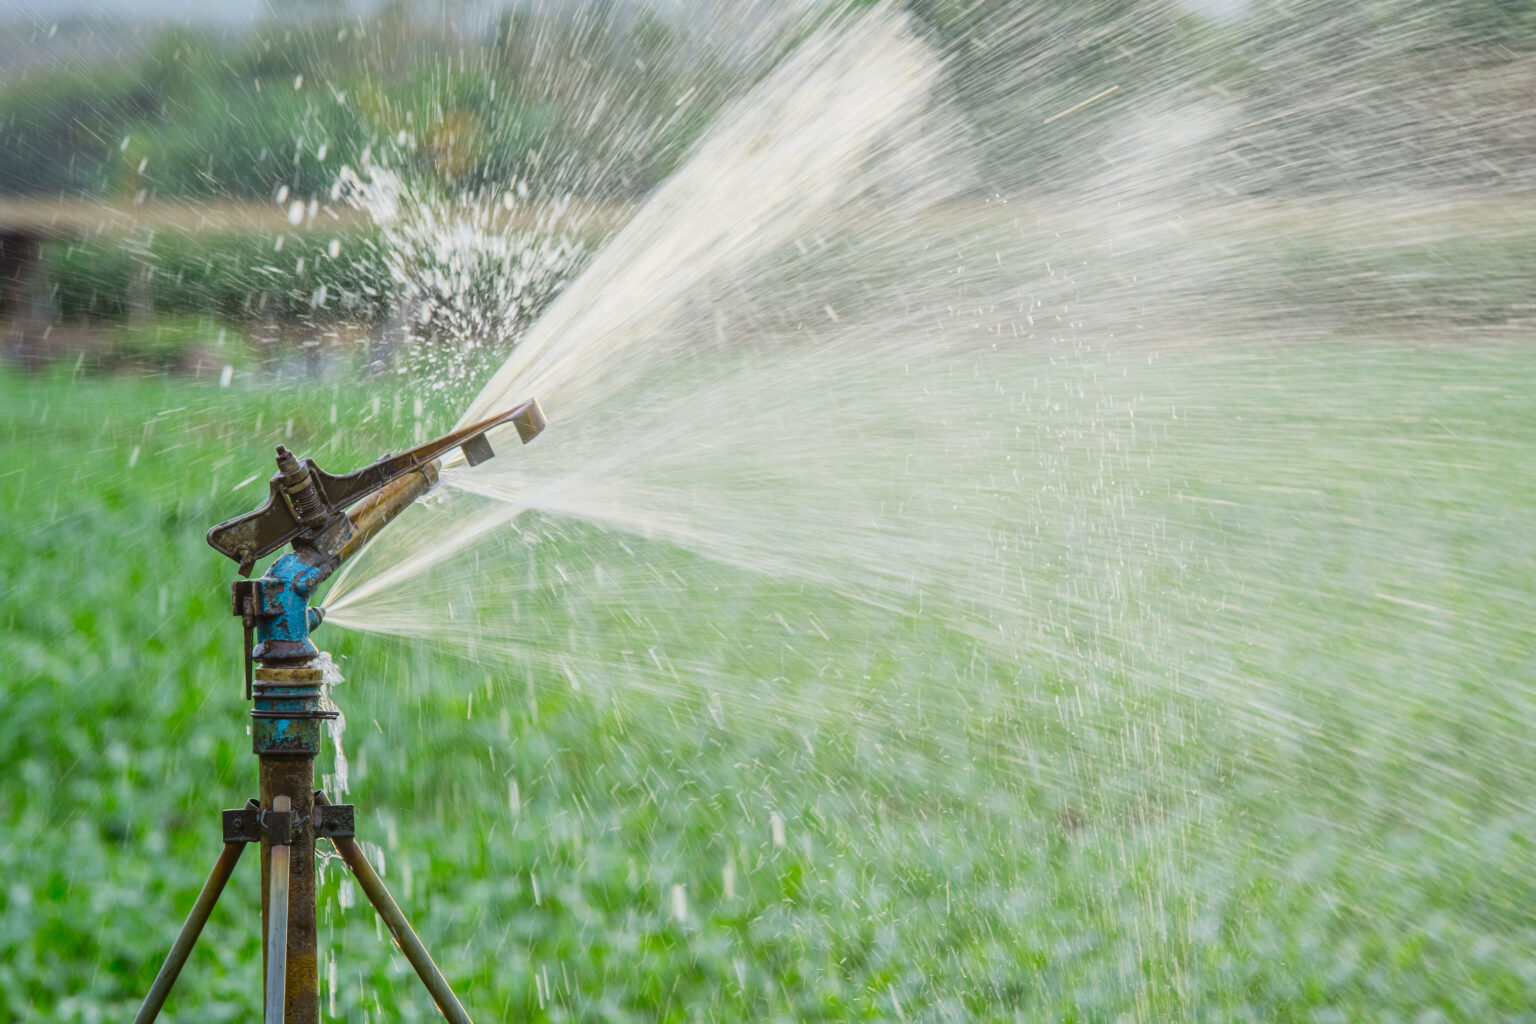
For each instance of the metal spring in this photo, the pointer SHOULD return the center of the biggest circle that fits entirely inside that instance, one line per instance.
(299, 487)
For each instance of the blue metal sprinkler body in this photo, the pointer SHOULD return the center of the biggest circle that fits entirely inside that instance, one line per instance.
(284, 618)
(290, 702)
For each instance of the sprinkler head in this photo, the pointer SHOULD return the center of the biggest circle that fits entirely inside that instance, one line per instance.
(328, 519)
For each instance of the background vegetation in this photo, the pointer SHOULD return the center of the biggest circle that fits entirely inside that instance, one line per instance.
(197, 113)
(1427, 98)
(1344, 834)
(232, 275)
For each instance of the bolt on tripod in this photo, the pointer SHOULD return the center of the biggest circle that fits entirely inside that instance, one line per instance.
(284, 674)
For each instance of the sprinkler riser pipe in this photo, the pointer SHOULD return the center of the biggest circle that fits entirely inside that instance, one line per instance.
(286, 737)
(293, 777)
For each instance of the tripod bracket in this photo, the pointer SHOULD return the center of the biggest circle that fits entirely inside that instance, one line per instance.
(334, 821)
(245, 824)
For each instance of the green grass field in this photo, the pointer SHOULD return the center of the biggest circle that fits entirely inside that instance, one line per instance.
(1293, 782)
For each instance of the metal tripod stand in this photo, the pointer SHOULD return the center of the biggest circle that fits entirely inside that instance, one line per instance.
(326, 519)
(287, 819)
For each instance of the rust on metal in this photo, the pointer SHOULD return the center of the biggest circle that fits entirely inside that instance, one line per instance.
(380, 508)
(291, 779)
(529, 420)
(243, 825)
(288, 676)
(333, 820)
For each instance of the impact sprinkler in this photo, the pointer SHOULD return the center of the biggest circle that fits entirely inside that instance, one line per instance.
(325, 519)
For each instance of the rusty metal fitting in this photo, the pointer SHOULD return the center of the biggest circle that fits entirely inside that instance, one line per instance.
(299, 485)
(290, 705)
(301, 676)
(377, 510)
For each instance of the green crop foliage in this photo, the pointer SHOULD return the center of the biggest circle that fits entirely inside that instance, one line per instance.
(1313, 801)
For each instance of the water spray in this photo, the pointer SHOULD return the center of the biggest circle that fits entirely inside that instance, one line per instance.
(325, 519)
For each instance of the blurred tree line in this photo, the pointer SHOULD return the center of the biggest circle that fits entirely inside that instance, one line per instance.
(588, 105)
(198, 113)
(603, 98)
(592, 92)
(1307, 96)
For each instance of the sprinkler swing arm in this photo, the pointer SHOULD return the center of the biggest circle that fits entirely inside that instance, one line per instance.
(326, 519)
(306, 505)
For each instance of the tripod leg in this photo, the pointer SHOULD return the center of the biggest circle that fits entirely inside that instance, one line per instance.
(399, 927)
(187, 938)
(277, 923)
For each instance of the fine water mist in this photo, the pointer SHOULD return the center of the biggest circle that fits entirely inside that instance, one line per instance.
(1028, 436)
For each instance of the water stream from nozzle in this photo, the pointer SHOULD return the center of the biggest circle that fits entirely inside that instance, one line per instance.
(1142, 514)
(835, 141)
